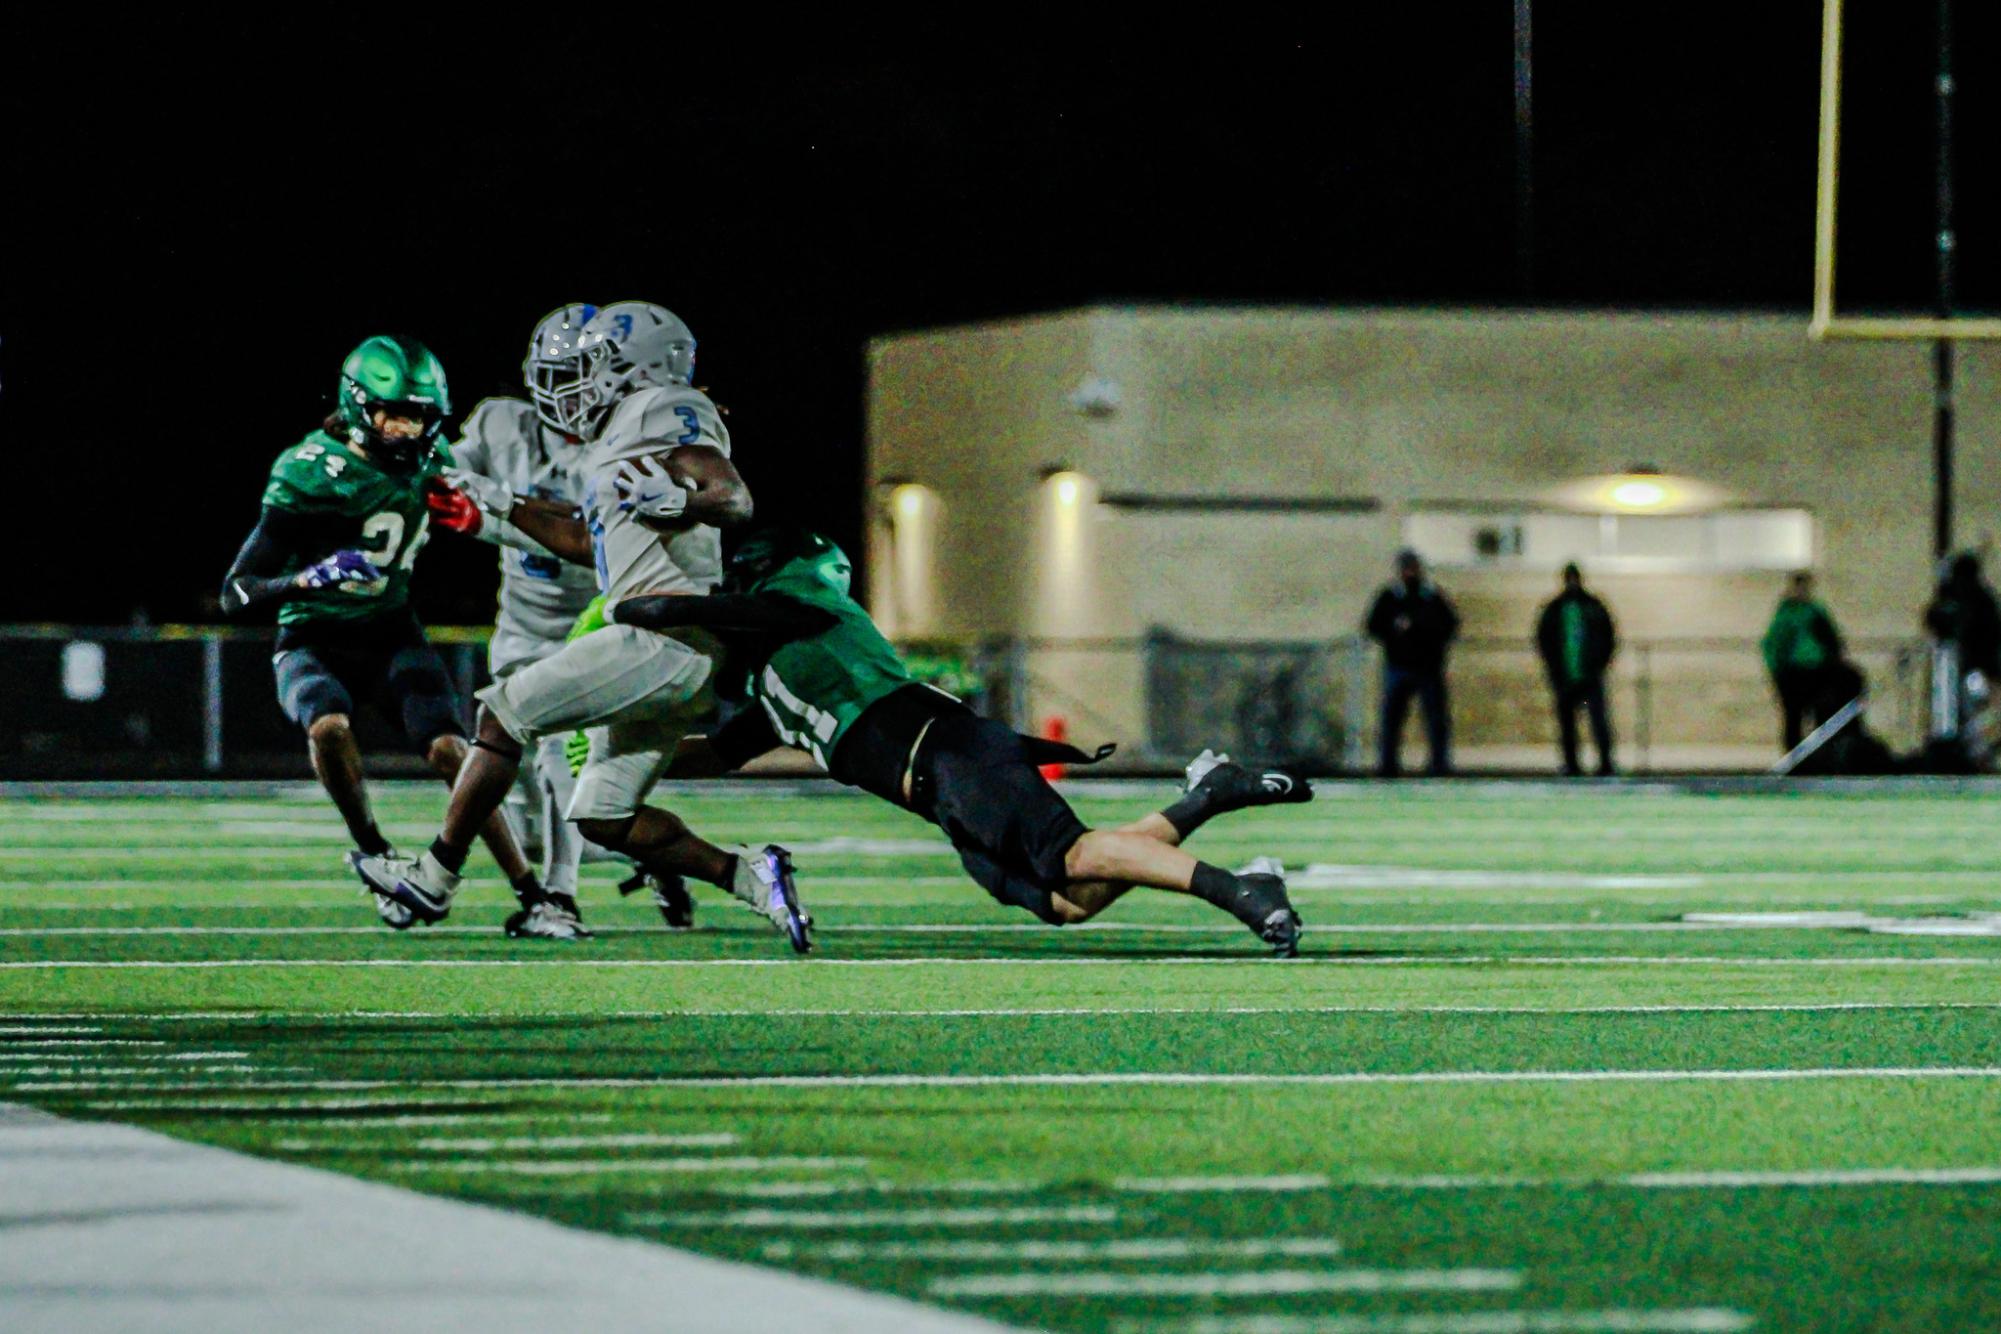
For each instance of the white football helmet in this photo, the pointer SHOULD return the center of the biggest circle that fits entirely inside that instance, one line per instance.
(555, 360)
(623, 347)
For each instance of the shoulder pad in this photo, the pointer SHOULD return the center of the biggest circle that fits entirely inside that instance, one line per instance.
(495, 420)
(656, 419)
(306, 477)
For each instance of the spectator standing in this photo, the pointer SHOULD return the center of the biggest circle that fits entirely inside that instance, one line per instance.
(1803, 654)
(1576, 639)
(1415, 623)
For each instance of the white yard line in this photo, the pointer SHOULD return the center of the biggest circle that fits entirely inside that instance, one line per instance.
(1254, 1283)
(1234, 1185)
(716, 1140)
(1135, 1248)
(1069, 1079)
(1066, 961)
(842, 1220)
(1691, 1320)
(112, 1227)
(1083, 1012)
(565, 1167)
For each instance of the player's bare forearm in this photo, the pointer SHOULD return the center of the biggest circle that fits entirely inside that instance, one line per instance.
(696, 757)
(740, 613)
(717, 495)
(556, 526)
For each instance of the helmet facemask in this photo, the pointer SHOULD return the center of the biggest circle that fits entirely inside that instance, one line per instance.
(554, 368)
(393, 453)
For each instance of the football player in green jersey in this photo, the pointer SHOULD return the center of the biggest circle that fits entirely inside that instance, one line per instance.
(816, 674)
(344, 517)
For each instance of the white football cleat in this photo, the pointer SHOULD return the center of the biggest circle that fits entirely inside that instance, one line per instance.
(398, 917)
(420, 884)
(545, 921)
(763, 881)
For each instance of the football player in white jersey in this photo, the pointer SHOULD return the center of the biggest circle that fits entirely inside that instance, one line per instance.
(508, 448)
(658, 487)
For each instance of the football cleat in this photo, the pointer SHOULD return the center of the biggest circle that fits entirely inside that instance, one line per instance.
(418, 883)
(670, 896)
(545, 920)
(566, 904)
(763, 880)
(1262, 905)
(1236, 787)
(397, 916)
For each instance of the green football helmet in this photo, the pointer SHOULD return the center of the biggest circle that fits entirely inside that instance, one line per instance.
(769, 550)
(401, 376)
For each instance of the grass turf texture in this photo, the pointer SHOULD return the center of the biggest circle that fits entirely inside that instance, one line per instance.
(944, 1101)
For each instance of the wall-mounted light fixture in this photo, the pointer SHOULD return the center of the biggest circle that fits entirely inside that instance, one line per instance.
(1640, 489)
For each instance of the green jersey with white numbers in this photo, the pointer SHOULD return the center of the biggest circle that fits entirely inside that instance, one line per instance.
(358, 505)
(813, 689)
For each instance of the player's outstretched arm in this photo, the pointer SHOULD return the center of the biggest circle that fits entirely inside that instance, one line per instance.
(257, 575)
(556, 526)
(742, 613)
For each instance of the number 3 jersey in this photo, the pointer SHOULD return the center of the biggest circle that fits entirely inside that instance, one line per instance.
(341, 501)
(631, 557)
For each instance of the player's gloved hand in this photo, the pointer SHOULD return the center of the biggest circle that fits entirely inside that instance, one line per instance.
(343, 567)
(575, 751)
(589, 621)
(647, 492)
(452, 509)
(491, 496)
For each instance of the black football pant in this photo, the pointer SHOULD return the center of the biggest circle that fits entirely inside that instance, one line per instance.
(1589, 696)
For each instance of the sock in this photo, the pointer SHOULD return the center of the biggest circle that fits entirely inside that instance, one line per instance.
(1193, 811)
(1213, 885)
(451, 858)
(526, 887)
(371, 842)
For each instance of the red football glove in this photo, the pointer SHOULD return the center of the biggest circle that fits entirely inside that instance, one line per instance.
(452, 509)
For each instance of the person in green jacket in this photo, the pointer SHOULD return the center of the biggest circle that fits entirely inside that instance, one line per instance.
(1802, 653)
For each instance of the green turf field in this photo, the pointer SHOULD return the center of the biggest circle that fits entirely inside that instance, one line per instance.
(1508, 1088)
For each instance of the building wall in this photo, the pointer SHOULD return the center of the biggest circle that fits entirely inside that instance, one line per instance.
(1405, 409)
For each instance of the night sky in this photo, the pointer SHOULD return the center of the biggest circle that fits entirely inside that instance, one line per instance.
(202, 218)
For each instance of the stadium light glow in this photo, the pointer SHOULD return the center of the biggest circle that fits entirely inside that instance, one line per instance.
(913, 534)
(1640, 489)
(1068, 486)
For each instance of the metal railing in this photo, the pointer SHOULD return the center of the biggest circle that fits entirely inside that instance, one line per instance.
(173, 701)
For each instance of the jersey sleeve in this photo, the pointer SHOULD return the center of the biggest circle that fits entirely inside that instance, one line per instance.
(306, 480)
(474, 450)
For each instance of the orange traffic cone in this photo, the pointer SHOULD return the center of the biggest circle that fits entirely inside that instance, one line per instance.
(1055, 729)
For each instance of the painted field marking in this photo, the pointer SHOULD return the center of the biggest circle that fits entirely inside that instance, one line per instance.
(44, 1044)
(817, 1190)
(808, 1221)
(1255, 1283)
(1061, 961)
(1157, 1248)
(1239, 1185)
(1068, 1079)
(1039, 1012)
(1703, 1180)
(592, 1166)
(14, 1077)
(16, 1057)
(1691, 1320)
(715, 1140)
(32, 1030)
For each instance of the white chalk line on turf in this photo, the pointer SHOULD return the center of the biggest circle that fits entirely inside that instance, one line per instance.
(1068, 961)
(1253, 1283)
(1067, 1079)
(261, 1018)
(1686, 1320)
(1123, 1248)
(558, 1167)
(827, 1221)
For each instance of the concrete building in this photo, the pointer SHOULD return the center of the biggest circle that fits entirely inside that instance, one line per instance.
(1074, 483)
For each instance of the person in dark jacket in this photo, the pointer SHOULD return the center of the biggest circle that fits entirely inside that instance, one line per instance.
(1576, 639)
(1963, 612)
(1803, 654)
(1415, 624)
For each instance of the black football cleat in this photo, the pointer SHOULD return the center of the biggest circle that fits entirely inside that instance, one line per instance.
(1233, 787)
(1262, 905)
(670, 896)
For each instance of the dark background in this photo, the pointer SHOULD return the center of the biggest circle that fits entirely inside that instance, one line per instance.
(202, 216)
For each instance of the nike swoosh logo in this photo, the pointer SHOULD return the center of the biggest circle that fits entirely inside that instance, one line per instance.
(1277, 783)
